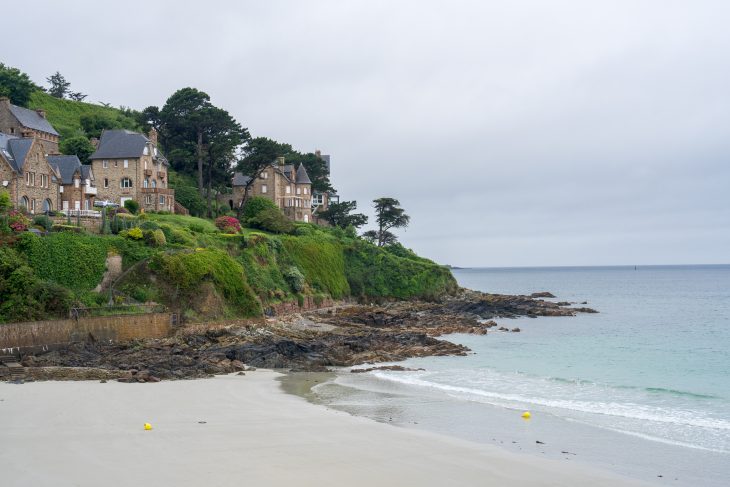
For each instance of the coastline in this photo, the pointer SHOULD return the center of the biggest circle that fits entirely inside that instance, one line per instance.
(238, 428)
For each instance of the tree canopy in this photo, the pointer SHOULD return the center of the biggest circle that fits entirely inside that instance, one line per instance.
(59, 86)
(78, 146)
(16, 85)
(340, 215)
(388, 215)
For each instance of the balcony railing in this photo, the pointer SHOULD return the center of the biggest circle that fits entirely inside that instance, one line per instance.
(90, 190)
(82, 213)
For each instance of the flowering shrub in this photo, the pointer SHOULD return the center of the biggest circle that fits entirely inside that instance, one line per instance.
(17, 221)
(228, 224)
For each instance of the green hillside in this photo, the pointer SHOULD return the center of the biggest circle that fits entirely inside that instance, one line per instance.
(65, 115)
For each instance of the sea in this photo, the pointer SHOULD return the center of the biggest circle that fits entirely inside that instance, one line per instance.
(641, 388)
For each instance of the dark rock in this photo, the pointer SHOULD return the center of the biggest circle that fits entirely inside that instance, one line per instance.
(398, 368)
(516, 330)
(542, 294)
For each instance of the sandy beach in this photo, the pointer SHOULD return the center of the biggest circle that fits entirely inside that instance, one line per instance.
(237, 429)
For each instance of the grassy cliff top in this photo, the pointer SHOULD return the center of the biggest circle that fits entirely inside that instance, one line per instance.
(65, 115)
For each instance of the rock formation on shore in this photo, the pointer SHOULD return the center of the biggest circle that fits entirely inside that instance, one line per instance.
(343, 336)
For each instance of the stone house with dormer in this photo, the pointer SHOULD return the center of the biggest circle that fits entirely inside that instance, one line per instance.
(22, 122)
(288, 187)
(26, 174)
(77, 190)
(128, 166)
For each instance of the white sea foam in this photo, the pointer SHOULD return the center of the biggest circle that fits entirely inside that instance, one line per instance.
(624, 410)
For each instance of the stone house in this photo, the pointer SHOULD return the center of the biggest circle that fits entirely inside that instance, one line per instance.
(77, 190)
(26, 174)
(289, 188)
(22, 122)
(128, 166)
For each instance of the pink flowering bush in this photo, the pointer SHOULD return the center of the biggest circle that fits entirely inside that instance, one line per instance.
(228, 224)
(17, 221)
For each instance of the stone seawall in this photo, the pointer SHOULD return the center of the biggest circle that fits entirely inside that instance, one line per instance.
(46, 335)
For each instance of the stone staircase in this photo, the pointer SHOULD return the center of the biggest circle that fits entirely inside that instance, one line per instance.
(11, 369)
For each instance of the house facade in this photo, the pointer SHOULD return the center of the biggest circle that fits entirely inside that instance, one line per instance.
(22, 122)
(77, 184)
(128, 166)
(289, 188)
(27, 175)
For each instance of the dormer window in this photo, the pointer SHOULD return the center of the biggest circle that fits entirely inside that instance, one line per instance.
(146, 152)
(126, 163)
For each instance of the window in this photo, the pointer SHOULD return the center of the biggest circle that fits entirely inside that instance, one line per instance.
(299, 190)
(44, 180)
(264, 175)
(264, 188)
(288, 190)
(12, 130)
(154, 183)
(24, 202)
(47, 205)
(145, 164)
(106, 182)
(126, 163)
(30, 179)
(145, 152)
(146, 183)
(148, 199)
(126, 183)
(32, 206)
(306, 190)
(162, 199)
(105, 164)
(76, 182)
(116, 163)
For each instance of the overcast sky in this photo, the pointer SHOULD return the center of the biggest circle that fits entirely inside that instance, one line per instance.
(514, 133)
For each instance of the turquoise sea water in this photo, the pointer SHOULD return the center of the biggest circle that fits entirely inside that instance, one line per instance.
(642, 388)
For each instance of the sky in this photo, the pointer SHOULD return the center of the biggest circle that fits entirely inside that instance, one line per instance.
(514, 133)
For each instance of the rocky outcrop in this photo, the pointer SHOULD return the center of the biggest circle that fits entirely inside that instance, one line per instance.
(343, 336)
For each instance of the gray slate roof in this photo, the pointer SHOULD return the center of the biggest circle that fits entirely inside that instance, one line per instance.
(66, 166)
(239, 179)
(15, 150)
(31, 119)
(86, 171)
(118, 144)
(302, 176)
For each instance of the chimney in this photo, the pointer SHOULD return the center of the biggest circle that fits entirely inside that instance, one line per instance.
(153, 136)
(280, 161)
(95, 142)
(318, 153)
(41, 112)
(4, 101)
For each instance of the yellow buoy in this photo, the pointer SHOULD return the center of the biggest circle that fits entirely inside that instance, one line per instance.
(147, 426)
(526, 415)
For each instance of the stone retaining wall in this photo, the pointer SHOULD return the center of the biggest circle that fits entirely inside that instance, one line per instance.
(46, 335)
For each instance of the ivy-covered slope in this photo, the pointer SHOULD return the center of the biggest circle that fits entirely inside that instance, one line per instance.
(187, 264)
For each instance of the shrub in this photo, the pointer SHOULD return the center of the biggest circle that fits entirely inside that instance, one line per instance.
(133, 233)
(132, 206)
(43, 221)
(295, 279)
(255, 205)
(271, 220)
(155, 238)
(72, 260)
(67, 228)
(228, 224)
(17, 221)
